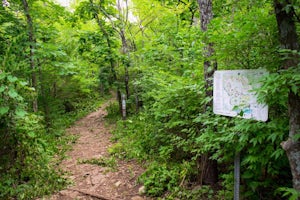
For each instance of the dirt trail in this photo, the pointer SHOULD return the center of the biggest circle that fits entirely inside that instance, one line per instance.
(93, 181)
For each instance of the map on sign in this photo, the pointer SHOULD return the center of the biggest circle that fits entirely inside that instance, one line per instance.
(233, 94)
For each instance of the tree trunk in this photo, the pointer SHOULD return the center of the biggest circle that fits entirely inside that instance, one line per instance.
(209, 69)
(206, 14)
(31, 54)
(44, 98)
(111, 59)
(125, 49)
(289, 40)
(209, 167)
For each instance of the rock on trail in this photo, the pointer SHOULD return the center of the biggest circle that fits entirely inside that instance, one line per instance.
(91, 181)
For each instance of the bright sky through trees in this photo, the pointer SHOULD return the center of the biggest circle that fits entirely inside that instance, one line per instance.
(123, 4)
(65, 3)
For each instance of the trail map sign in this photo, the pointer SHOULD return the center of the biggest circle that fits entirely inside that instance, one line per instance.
(232, 94)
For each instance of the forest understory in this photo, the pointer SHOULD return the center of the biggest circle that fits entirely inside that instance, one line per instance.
(165, 61)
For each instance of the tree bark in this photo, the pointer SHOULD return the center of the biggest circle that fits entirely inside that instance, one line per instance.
(289, 40)
(206, 14)
(210, 168)
(125, 49)
(31, 54)
(209, 66)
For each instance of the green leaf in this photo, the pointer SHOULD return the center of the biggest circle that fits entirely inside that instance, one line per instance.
(2, 88)
(20, 112)
(12, 93)
(31, 134)
(296, 137)
(12, 79)
(4, 110)
(272, 137)
(241, 113)
(294, 89)
(2, 75)
(23, 83)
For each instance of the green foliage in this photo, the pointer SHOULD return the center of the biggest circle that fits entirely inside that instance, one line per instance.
(113, 112)
(134, 139)
(176, 123)
(160, 178)
(26, 171)
(29, 140)
(264, 160)
(12, 103)
(277, 85)
(78, 56)
(198, 192)
(289, 192)
(246, 38)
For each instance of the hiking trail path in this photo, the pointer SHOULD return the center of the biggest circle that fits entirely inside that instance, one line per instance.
(94, 182)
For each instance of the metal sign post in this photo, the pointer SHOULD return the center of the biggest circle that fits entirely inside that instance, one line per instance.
(237, 166)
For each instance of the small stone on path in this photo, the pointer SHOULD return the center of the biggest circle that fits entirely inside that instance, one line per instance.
(142, 190)
(117, 184)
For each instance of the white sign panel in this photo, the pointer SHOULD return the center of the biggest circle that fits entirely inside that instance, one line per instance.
(232, 94)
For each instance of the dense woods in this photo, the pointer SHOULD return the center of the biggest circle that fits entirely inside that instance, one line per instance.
(58, 64)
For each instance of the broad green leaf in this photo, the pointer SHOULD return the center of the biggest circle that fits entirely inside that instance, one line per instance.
(12, 79)
(12, 93)
(4, 110)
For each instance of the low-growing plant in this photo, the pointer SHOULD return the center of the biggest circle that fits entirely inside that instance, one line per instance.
(31, 173)
(291, 193)
(109, 162)
(160, 178)
(203, 192)
(113, 112)
(117, 150)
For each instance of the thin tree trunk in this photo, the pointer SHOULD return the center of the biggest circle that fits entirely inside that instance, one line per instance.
(289, 40)
(125, 51)
(209, 167)
(44, 99)
(31, 54)
(209, 66)
(54, 89)
(111, 60)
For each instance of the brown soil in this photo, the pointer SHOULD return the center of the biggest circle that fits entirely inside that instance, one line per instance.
(91, 181)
